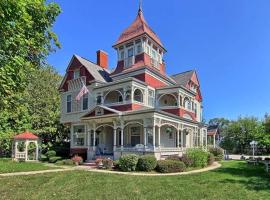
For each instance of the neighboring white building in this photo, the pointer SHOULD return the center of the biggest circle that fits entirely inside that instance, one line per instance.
(137, 107)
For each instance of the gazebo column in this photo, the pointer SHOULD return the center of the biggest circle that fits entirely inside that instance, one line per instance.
(37, 150)
(26, 150)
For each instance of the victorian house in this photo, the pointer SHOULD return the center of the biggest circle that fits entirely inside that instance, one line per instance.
(134, 108)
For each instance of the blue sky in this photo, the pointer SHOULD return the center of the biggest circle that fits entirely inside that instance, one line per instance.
(226, 41)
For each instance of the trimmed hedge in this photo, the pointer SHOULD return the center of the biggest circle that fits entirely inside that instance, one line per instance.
(147, 163)
(116, 164)
(217, 152)
(198, 156)
(173, 157)
(54, 159)
(170, 166)
(211, 159)
(128, 162)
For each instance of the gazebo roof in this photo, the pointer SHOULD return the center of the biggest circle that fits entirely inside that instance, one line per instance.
(26, 136)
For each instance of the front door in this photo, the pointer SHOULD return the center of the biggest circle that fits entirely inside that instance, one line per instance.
(135, 135)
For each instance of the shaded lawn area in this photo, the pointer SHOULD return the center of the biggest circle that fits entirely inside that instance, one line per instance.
(234, 180)
(8, 166)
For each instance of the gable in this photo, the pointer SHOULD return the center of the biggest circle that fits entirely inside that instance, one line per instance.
(100, 111)
(195, 79)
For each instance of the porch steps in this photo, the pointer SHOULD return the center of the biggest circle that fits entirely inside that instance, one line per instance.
(89, 163)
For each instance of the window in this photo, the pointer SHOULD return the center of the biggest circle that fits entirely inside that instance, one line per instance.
(139, 48)
(120, 98)
(78, 136)
(135, 135)
(154, 54)
(121, 55)
(138, 95)
(187, 104)
(68, 103)
(169, 131)
(98, 100)
(130, 52)
(149, 132)
(148, 49)
(76, 74)
(151, 98)
(85, 102)
(128, 95)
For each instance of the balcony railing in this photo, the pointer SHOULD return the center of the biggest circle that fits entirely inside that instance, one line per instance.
(129, 61)
(76, 83)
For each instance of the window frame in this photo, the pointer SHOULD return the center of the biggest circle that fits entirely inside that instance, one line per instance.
(69, 103)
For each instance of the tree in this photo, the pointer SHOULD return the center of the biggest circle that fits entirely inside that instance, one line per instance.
(26, 39)
(43, 100)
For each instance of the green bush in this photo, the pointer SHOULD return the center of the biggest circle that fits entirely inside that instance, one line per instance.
(107, 163)
(43, 157)
(65, 162)
(128, 162)
(116, 164)
(54, 159)
(188, 161)
(218, 153)
(147, 163)
(211, 159)
(170, 166)
(50, 154)
(199, 157)
(173, 157)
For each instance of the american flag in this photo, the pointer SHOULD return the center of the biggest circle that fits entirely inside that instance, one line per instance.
(82, 92)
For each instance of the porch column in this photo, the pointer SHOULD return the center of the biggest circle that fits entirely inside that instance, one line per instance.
(182, 138)
(177, 140)
(114, 139)
(158, 142)
(145, 134)
(94, 140)
(122, 138)
(154, 136)
(214, 142)
(26, 150)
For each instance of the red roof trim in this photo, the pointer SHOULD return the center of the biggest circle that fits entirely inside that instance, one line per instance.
(26, 135)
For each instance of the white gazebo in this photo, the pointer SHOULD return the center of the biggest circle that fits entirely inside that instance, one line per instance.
(21, 146)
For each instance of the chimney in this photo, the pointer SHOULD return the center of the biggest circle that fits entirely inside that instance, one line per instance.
(102, 59)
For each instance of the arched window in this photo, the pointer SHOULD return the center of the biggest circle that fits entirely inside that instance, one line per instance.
(113, 97)
(138, 95)
(168, 100)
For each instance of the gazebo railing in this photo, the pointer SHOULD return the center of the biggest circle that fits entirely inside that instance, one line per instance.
(20, 155)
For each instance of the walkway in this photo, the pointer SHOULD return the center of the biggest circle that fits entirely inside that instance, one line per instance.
(37, 172)
(215, 165)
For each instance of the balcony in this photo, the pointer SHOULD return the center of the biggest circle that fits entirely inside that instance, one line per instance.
(77, 83)
(129, 61)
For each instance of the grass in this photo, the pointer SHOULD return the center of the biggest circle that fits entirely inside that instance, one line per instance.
(234, 180)
(8, 166)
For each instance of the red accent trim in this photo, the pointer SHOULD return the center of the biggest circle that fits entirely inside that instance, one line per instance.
(180, 112)
(150, 80)
(127, 107)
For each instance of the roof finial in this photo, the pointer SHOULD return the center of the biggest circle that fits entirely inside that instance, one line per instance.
(140, 6)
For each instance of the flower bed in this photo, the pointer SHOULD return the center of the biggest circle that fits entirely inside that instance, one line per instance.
(193, 159)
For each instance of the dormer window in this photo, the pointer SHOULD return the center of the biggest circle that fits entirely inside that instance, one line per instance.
(76, 74)
(139, 48)
(122, 55)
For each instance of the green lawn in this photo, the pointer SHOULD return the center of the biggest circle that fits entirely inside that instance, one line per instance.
(7, 166)
(234, 180)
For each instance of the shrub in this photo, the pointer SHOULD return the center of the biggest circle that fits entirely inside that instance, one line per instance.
(147, 163)
(128, 162)
(198, 156)
(54, 159)
(211, 159)
(173, 157)
(107, 163)
(170, 166)
(188, 161)
(65, 162)
(50, 154)
(98, 162)
(43, 157)
(77, 159)
(218, 153)
(116, 164)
